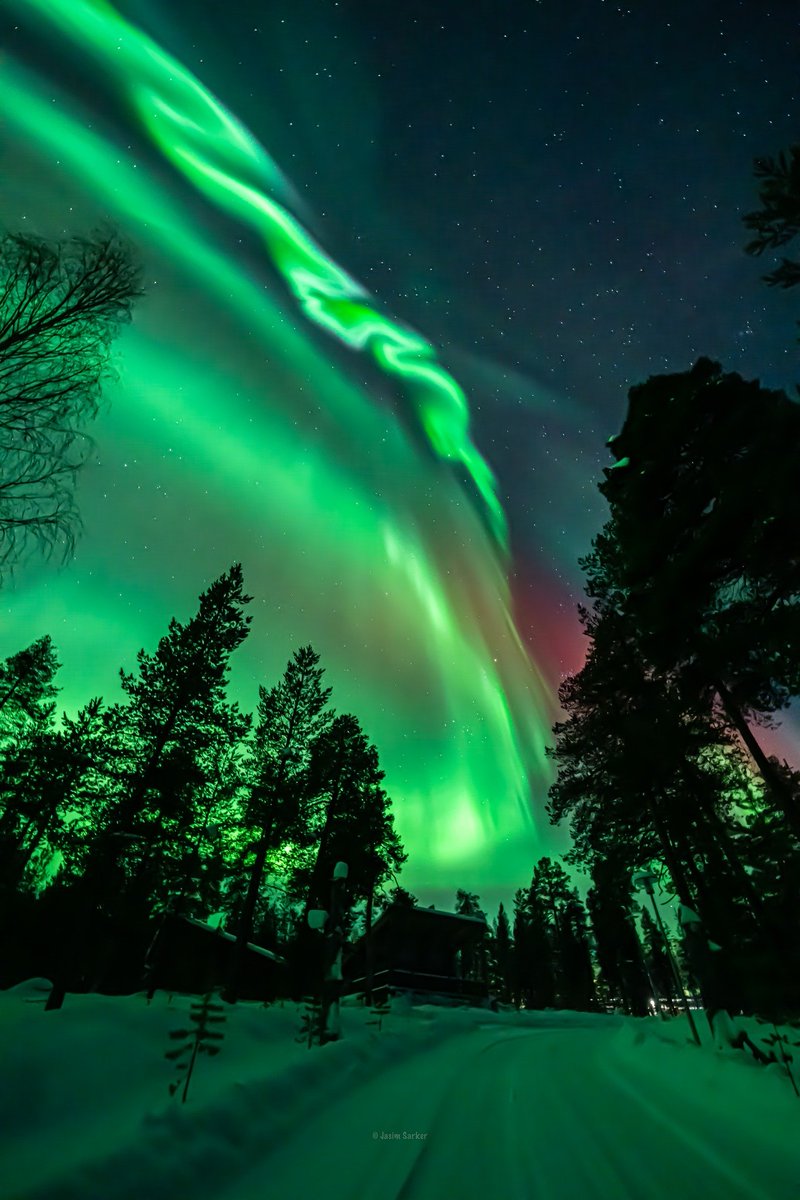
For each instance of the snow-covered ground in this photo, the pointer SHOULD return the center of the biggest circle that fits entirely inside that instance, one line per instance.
(439, 1103)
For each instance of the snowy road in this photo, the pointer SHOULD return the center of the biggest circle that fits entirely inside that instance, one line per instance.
(441, 1104)
(547, 1115)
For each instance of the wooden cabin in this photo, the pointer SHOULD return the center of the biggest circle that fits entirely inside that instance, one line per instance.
(419, 953)
(187, 955)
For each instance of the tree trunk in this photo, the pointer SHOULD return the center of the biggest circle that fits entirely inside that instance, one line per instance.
(785, 800)
(368, 944)
(13, 689)
(674, 866)
(318, 871)
(22, 853)
(246, 919)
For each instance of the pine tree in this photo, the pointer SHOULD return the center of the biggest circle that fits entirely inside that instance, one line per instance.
(27, 688)
(290, 716)
(777, 222)
(355, 826)
(42, 789)
(548, 899)
(708, 588)
(522, 965)
(197, 867)
(157, 748)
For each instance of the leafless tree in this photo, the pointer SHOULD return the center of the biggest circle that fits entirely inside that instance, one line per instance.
(61, 306)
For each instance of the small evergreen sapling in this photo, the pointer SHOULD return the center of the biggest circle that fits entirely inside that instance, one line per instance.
(380, 1009)
(199, 1040)
(779, 1041)
(312, 1022)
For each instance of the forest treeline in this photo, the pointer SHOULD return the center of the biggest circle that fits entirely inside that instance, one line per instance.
(175, 801)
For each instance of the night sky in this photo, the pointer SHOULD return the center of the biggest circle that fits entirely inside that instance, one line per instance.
(541, 205)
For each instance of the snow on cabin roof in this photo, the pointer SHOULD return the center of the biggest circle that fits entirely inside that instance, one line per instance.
(404, 921)
(229, 937)
(400, 912)
(443, 912)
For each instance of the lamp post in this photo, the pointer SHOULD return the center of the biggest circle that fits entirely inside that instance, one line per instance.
(645, 880)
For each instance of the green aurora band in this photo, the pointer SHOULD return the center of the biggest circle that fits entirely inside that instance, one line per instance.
(366, 519)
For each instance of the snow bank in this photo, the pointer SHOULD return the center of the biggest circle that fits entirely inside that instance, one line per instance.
(650, 1055)
(90, 1082)
(85, 1112)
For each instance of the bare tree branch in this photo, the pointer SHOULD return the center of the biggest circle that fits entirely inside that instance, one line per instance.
(61, 306)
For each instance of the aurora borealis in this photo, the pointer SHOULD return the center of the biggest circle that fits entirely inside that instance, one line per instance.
(283, 402)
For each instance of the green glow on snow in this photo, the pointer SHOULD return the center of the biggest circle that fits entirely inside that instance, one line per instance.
(249, 443)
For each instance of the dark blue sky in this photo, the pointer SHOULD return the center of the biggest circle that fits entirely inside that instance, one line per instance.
(552, 193)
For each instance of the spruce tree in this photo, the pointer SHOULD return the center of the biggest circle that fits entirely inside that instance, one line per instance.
(534, 952)
(548, 898)
(576, 982)
(503, 948)
(617, 945)
(475, 958)
(522, 964)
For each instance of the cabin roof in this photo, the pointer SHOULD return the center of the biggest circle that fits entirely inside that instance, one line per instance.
(407, 914)
(400, 924)
(229, 937)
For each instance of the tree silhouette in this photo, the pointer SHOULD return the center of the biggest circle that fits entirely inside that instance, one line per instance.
(709, 586)
(617, 946)
(290, 715)
(139, 818)
(576, 969)
(777, 221)
(502, 957)
(474, 958)
(534, 965)
(27, 686)
(356, 825)
(61, 306)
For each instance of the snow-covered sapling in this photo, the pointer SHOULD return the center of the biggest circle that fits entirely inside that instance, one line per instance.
(780, 1041)
(380, 1009)
(312, 1022)
(200, 1040)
